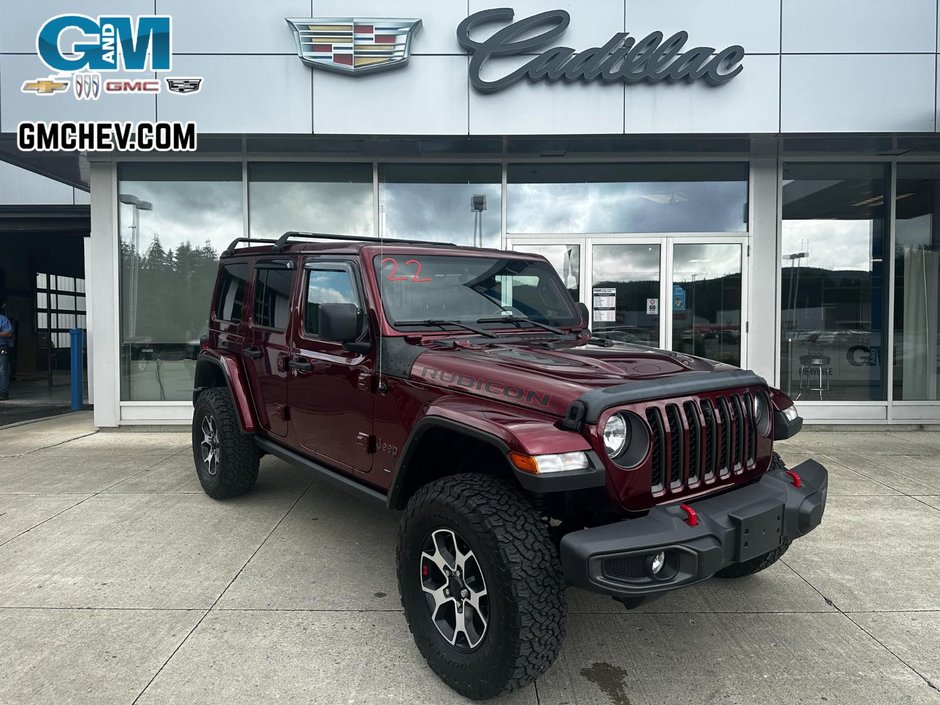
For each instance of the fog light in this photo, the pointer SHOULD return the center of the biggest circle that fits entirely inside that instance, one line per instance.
(657, 562)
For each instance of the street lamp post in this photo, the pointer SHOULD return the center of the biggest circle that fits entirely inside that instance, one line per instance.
(138, 206)
(478, 205)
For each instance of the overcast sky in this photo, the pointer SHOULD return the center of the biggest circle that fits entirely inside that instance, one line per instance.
(184, 211)
(705, 206)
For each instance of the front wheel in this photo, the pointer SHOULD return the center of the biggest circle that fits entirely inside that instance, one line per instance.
(481, 585)
(226, 459)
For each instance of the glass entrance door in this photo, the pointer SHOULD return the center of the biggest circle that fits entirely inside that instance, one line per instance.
(625, 292)
(706, 300)
(678, 293)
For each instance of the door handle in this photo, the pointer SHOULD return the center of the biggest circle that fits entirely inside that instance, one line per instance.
(299, 365)
(253, 353)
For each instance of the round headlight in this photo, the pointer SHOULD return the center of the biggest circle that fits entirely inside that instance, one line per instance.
(761, 412)
(615, 435)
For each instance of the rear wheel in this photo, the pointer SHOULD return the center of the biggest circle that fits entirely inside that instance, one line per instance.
(481, 585)
(756, 565)
(226, 459)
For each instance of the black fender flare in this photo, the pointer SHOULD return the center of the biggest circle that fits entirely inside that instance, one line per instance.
(236, 383)
(594, 476)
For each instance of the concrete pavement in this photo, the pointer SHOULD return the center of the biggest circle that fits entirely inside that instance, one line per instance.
(121, 582)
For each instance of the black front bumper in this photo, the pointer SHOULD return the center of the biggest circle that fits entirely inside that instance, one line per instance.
(734, 527)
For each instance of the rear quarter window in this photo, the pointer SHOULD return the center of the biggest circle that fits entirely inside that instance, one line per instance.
(230, 299)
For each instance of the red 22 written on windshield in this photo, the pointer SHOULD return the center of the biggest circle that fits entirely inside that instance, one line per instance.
(105, 136)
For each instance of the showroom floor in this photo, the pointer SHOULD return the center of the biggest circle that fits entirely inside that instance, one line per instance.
(121, 582)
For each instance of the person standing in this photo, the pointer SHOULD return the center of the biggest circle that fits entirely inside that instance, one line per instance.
(6, 349)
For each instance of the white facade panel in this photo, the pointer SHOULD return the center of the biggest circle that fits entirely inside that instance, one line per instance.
(753, 25)
(211, 26)
(858, 93)
(19, 187)
(20, 21)
(439, 19)
(265, 94)
(161, 413)
(868, 26)
(16, 106)
(820, 412)
(102, 270)
(592, 23)
(429, 97)
(748, 103)
(547, 108)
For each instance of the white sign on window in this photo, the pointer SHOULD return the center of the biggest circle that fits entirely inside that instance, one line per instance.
(652, 307)
(605, 298)
(604, 315)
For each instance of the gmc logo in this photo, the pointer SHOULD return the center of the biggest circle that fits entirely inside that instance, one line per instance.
(136, 85)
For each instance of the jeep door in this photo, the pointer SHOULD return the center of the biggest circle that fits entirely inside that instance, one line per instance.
(331, 394)
(267, 348)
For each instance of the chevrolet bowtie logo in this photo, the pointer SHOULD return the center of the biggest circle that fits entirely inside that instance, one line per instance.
(45, 86)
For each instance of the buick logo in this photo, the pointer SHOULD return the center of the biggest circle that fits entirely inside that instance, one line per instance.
(354, 45)
(86, 85)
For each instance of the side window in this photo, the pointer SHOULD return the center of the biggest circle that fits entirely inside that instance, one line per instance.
(272, 298)
(233, 284)
(326, 286)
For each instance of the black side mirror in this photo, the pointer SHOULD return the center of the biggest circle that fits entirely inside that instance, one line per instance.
(339, 322)
(584, 314)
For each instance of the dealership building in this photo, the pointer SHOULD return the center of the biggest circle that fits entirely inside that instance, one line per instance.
(759, 183)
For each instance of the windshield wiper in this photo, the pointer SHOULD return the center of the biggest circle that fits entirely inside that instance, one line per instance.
(441, 323)
(521, 319)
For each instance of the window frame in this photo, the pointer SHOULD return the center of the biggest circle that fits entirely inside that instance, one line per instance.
(267, 265)
(217, 312)
(339, 265)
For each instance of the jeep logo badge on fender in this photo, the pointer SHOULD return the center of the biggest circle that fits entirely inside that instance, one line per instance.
(622, 59)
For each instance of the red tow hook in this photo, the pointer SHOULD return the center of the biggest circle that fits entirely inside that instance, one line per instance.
(797, 480)
(691, 518)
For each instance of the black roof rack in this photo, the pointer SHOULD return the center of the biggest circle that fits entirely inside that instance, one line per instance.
(285, 239)
(231, 248)
(293, 235)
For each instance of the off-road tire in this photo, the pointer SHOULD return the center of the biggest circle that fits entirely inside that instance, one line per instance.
(525, 587)
(238, 460)
(756, 565)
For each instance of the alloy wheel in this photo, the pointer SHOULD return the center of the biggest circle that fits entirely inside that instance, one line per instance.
(210, 445)
(454, 589)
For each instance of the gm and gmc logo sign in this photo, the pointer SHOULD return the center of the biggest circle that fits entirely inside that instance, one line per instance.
(106, 43)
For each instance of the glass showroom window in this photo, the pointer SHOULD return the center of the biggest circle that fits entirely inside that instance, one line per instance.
(324, 198)
(627, 198)
(916, 292)
(834, 282)
(453, 203)
(174, 221)
(60, 306)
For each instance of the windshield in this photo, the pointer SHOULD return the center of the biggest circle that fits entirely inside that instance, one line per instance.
(468, 289)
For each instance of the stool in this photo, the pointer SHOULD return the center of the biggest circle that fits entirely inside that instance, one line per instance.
(815, 368)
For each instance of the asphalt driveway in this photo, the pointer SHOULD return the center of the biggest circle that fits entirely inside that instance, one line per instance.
(121, 582)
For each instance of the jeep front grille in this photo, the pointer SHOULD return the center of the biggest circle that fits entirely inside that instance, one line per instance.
(701, 440)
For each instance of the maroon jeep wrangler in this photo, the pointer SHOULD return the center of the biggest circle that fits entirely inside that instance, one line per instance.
(463, 387)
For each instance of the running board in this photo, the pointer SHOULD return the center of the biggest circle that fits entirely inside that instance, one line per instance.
(334, 478)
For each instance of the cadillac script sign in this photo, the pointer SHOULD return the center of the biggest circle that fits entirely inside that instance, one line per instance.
(623, 59)
(360, 46)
